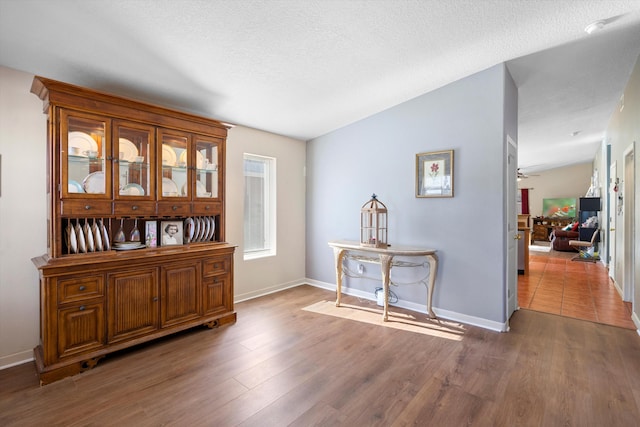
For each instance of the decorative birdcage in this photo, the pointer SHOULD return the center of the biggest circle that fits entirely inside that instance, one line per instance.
(373, 224)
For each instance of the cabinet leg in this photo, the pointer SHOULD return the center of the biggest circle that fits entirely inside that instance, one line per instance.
(48, 374)
(213, 324)
(226, 319)
(85, 365)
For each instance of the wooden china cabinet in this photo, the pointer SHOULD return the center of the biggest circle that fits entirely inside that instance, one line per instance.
(121, 174)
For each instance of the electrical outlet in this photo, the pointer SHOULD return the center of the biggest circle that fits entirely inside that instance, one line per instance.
(360, 269)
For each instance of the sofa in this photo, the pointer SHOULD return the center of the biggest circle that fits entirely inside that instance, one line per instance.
(560, 239)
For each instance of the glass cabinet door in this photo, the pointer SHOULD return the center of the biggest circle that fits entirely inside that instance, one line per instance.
(206, 166)
(85, 150)
(174, 153)
(133, 157)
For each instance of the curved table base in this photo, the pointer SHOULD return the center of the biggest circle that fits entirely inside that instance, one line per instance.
(386, 255)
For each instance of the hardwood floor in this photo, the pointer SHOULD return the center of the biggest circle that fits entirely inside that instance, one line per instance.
(283, 366)
(581, 290)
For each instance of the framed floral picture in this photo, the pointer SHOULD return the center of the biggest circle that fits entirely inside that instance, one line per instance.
(151, 233)
(434, 174)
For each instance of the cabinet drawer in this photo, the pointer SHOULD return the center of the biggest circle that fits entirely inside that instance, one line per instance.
(80, 288)
(134, 208)
(215, 266)
(207, 208)
(85, 207)
(176, 208)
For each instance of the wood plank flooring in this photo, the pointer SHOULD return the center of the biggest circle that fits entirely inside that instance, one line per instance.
(283, 366)
(581, 290)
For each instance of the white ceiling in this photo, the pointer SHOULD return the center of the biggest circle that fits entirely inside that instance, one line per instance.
(303, 68)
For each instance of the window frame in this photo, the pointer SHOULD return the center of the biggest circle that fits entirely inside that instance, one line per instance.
(269, 210)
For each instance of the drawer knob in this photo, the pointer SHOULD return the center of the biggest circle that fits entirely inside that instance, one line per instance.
(134, 208)
(206, 208)
(155, 299)
(82, 308)
(174, 207)
(82, 288)
(87, 207)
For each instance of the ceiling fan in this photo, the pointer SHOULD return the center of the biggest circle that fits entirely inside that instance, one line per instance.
(522, 175)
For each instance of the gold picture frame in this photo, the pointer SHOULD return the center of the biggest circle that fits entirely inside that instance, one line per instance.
(434, 174)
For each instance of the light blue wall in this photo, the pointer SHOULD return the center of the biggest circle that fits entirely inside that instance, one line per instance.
(377, 154)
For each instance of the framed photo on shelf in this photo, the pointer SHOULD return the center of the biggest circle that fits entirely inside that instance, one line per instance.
(434, 174)
(171, 233)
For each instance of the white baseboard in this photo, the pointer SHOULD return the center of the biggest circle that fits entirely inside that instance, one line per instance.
(636, 321)
(618, 288)
(419, 308)
(16, 359)
(266, 291)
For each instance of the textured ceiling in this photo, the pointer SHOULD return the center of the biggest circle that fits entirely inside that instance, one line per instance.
(303, 68)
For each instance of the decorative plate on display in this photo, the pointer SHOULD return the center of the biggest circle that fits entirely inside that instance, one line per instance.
(196, 229)
(73, 241)
(105, 236)
(128, 246)
(183, 157)
(201, 189)
(132, 190)
(88, 237)
(169, 157)
(74, 187)
(169, 188)
(94, 183)
(188, 230)
(207, 227)
(212, 232)
(128, 149)
(199, 159)
(82, 142)
(97, 235)
(82, 244)
(203, 229)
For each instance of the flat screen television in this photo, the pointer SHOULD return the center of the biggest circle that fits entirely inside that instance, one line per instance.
(559, 207)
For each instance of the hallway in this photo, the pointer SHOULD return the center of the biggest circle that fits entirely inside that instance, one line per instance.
(581, 290)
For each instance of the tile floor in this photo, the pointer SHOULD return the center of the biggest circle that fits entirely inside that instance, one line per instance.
(582, 290)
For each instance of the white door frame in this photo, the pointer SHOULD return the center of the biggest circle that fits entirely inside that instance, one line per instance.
(612, 213)
(628, 221)
(511, 267)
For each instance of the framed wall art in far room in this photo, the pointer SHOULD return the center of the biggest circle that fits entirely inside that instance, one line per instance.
(434, 174)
